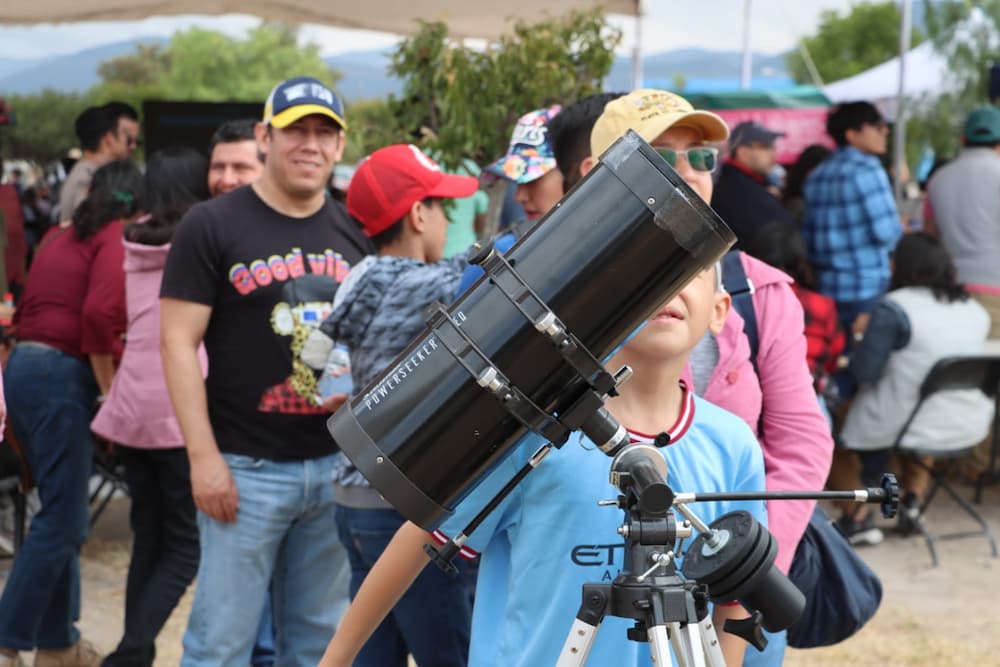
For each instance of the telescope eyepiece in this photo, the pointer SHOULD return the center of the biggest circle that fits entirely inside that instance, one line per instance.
(641, 470)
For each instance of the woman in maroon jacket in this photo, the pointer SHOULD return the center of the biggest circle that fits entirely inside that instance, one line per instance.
(69, 327)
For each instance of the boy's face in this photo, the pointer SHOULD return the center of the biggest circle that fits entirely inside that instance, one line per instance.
(682, 138)
(435, 228)
(680, 324)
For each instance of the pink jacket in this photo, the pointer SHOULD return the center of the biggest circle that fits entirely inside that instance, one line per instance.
(137, 411)
(796, 439)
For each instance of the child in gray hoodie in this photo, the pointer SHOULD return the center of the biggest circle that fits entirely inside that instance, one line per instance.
(397, 194)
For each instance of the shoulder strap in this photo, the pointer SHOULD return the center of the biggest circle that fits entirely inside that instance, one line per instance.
(740, 289)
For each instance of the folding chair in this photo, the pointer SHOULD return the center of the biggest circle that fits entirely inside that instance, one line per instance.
(952, 373)
(990, 475)
(16, 484)
(111, 478)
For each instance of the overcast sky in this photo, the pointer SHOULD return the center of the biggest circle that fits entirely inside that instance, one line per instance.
(668, 24)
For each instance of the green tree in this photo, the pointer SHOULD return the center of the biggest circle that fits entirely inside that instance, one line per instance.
(198, 65)
(207, 66)
(968, 36)
(44, 128)
(134, 77)
(459, 102)
(372, 124)
(845, 45)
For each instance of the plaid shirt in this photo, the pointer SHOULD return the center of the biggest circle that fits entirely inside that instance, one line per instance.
(851, 225)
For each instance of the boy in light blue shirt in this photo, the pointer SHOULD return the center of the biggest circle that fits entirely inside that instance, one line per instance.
(549, 537)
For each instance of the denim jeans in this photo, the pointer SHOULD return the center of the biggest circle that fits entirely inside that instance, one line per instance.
(164, 548)
(50, 400)
(263, 647)
(286, 534)
(431, 621)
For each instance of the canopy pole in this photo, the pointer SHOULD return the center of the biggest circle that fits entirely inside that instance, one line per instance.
(747, 64)
(637, 73)
(899, 144)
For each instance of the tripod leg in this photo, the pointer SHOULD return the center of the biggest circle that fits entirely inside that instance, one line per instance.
(710, 642)
(660, 641)
(687, 645)
(579, 641)
(588, 619)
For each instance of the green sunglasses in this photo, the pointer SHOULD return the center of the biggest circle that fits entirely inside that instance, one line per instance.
(701, 158)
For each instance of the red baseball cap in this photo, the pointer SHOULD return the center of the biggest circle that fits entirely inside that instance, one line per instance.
(390, 180)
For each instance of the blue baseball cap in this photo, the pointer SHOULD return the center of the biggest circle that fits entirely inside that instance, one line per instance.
(299, 97)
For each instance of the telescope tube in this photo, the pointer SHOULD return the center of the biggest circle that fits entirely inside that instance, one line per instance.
(622, 243)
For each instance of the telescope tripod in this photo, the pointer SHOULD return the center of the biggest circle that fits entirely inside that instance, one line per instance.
(668, 612)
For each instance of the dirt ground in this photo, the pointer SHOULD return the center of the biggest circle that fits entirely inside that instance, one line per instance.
(929, 616)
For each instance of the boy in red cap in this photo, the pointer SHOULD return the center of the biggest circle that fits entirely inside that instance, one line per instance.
(397, 194)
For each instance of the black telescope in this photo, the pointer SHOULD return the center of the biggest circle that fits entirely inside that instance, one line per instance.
(622, 243)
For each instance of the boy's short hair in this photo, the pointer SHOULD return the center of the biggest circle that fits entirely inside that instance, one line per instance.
(569, 134)
(395, 230)
(389, 181)
(851, 116)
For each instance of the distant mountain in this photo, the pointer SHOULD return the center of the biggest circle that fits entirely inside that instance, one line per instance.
(364, 75)
(12, 66)
(73, 73)
(364, 72)
(724, 67)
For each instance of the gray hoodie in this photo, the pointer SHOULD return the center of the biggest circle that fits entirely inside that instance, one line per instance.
(378, 311)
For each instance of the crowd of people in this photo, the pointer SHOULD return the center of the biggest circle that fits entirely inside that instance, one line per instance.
(206, 315)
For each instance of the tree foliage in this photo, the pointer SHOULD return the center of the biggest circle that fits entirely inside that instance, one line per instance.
(44, 127)
(206, 66)
(845, 45)
(968, 36)
(197, 65)
(459, 102)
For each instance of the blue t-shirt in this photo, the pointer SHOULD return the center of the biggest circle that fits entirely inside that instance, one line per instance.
(502, 244)
(549, 537)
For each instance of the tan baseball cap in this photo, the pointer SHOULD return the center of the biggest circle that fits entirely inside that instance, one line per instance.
(651, 112)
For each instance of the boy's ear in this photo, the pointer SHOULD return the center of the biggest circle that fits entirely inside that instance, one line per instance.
(587, 164)
(415, 217)
(720, 311)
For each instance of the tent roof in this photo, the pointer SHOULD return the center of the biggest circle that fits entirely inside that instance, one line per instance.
(927, 73)
(464, 18)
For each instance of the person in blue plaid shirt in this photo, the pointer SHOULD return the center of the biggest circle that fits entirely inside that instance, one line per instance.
(851, 223)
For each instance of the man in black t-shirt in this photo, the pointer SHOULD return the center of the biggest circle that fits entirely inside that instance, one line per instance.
(249, 274)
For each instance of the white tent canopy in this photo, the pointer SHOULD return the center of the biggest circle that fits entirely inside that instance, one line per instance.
(465, 18)
(927, 75)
